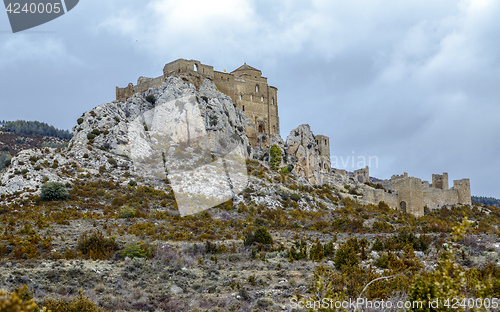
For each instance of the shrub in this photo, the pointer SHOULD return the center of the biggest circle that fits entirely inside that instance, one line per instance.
(80, 303)
(262, 236)
(96, 246)
(112, 161)
(13, 302)
(276, 157)
(127, 212)
(211, 248)
(151, 99)
(378, 245)
(54, 191)
(134, 250)
(295, 197)
(346, 255)
(90, 136)
(132, 183)
(79, 120)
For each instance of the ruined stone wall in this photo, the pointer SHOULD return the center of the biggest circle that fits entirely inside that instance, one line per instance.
(362, 175)
(374, 196)
(437, 198)
(143, 85)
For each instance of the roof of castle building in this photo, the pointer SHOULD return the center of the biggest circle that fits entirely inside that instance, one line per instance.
(245, 67)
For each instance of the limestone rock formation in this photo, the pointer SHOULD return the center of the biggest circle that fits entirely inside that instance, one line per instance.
(303, 153)
(195, 137)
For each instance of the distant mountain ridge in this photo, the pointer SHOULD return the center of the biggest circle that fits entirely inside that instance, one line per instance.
(490, 201)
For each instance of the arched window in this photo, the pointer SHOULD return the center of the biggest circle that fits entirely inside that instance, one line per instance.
(261, 98)
(240, 97)
(272, 101)
(261, 129)
(243, 107)
(257, 88)
(195, 67)
(326, 142)
(251, 97)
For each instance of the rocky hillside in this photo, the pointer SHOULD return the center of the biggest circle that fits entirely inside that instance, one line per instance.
(168, 208)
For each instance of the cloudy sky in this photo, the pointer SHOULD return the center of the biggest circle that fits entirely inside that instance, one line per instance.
(414, 84)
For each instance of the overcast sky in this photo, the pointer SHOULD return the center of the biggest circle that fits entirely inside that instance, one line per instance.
(414, 83)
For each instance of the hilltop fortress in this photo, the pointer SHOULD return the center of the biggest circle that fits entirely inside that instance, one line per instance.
(251, 93)
(245, 85)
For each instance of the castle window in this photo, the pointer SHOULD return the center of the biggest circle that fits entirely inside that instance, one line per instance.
(261, 129)
(272, 101)
(251, 97)
(257, 88)
(195, 67)
(317, 142)
(240, 97)
(326, 143)
(262, 99)
(243, 107)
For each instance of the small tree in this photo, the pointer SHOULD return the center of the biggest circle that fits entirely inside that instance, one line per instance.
(262, 236)
(275, 157)
(54, 191)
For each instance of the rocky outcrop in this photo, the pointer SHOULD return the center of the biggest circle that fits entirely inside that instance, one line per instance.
(303, 153)
(195, 138)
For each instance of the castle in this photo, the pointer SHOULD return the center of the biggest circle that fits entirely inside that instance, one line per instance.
(409, 194)
(252, 94)
(245, 85)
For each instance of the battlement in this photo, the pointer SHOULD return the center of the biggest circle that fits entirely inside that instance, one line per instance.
(245, 85)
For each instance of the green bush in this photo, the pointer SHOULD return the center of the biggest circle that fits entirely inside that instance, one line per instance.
(96, 246)
(80, 120)
(127, 212)
(134, 250)
(346, 255)
(378, 245)
(262, 236)
(132, 183)
(54, 191)
(90, 136)
(112, 161)
(151, 99)
(276, 157)
(295, 197)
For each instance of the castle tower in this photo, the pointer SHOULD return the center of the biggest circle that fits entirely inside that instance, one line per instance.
(463, 188)
(410, 194)
(440, 181)
(324, 151)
